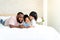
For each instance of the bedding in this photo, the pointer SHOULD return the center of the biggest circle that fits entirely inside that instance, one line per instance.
(2, 26)
(4, 17)
(40, 32)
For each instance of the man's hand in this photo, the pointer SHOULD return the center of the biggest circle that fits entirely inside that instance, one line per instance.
(21, 26)
(12, 26)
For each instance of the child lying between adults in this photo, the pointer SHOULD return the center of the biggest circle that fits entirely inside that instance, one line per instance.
(26, 24)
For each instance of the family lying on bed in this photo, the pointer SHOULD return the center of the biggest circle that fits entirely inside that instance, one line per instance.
(21, 20)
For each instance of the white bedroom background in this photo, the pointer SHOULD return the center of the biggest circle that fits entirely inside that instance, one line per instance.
(51, 16)
(11, 7)
(45, 11)
(54, 14)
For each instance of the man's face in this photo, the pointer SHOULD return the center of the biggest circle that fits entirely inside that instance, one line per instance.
(20, 18)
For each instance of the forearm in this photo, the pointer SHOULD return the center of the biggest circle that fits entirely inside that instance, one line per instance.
(12, 26)
(21, 26)
(30, 27)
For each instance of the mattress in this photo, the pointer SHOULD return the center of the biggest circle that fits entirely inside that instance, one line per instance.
(39, 32)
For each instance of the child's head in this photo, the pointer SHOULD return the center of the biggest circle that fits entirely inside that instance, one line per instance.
(33, 15)
(26, 18)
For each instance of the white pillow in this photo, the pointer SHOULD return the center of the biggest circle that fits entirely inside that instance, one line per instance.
(4, 17)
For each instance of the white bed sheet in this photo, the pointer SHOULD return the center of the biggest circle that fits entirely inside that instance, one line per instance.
(38, 33)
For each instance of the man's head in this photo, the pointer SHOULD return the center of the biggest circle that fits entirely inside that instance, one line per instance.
(19, 17)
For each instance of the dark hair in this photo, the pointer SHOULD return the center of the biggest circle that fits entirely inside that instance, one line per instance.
(19, 16)
(26, 16)
(33, 14)
(20, 13)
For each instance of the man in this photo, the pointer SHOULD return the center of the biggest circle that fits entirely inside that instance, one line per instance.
(15, 21)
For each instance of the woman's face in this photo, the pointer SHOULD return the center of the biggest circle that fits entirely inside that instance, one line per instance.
(27, 20)
(30, 17)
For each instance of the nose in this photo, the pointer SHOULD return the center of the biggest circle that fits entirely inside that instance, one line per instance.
(19, 18)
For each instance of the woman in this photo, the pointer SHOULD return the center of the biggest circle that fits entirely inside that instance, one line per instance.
(33, 18)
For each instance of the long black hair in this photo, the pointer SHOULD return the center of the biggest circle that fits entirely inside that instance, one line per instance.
(33, 14)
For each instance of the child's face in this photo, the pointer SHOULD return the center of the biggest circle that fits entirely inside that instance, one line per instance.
(27, 20)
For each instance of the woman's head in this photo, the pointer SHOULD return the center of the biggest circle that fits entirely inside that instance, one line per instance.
(33, 15)
(26, 18)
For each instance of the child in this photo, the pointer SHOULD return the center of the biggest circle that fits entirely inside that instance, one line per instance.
(26, 23)
(33, 17)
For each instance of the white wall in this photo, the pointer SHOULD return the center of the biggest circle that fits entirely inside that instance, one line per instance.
(45, 12)
(54, 14)
(25, 6)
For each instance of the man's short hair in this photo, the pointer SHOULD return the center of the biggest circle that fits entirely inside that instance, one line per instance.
(20, 13)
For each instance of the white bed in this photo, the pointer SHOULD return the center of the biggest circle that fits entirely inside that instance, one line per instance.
(40, 32)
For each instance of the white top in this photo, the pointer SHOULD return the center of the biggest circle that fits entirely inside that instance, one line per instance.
(12, 21)
(33, 22)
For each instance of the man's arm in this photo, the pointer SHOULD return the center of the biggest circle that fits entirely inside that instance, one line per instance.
(12, 26)
(20, 26)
